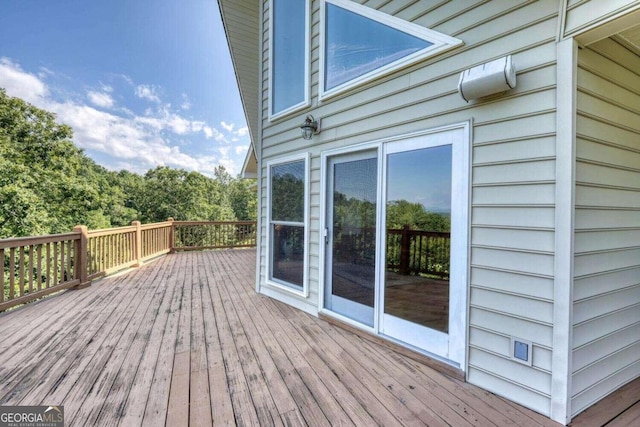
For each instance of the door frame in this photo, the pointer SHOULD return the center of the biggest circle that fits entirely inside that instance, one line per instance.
(329, 211)
(458, 348)
(324, 205)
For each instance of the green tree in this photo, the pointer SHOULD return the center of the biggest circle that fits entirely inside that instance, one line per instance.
(243, 199)
(48, 185)
(402, 212)
(184, 195)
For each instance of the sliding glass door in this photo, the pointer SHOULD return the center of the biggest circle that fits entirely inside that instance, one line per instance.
(417, 256)
(351, 236)
(396, 239)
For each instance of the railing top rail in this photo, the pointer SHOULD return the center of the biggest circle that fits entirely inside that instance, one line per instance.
(156, 225)
(110, 231)
(419, 232)
(38, 240)
(214, 222)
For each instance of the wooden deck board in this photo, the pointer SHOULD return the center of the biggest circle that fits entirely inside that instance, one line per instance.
(133, 408)
(155, 407)
(291, 387)
(187, 341)
(58, 356)
(85, 403)
(621, 408)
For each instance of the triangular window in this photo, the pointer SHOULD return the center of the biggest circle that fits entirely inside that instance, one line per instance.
(361, 43)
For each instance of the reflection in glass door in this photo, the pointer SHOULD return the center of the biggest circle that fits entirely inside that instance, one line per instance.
(351, 236)
(418, 221)
(417, 244)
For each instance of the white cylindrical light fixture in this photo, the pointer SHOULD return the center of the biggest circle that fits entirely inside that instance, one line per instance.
(486, 79)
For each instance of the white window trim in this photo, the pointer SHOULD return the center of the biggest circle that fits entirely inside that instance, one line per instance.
(441, 43)
(304, 292)
(307, 59)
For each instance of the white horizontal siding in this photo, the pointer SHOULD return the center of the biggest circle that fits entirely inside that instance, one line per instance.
(513, 172)
(606, 309)
(533, 286)
(540, 241)
(494, 382)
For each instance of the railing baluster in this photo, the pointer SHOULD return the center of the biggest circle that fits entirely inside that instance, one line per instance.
(103, 258)
(70, 275)
(56, 262)
(21, 277)
(110, 252)
(48, 265)
(39, 268)
(12, 273)
(2, 276)
(29, 273)
(63, 263)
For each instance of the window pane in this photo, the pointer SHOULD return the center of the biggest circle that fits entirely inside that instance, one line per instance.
(419, 236)
(356, 45)
(288, 254)
(287, 192)
(289, 44)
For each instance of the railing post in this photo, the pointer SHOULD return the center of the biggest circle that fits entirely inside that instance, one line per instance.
(172, 235)
(80, 257)
(405, 244)
(138, 242)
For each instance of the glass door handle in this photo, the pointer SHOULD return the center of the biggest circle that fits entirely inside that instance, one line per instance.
(325, 232)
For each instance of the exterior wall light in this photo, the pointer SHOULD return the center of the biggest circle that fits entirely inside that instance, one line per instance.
(310, 127)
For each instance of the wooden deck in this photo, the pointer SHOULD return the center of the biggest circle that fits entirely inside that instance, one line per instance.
(187, 341)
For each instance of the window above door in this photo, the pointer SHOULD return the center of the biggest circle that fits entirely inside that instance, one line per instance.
(359, 44)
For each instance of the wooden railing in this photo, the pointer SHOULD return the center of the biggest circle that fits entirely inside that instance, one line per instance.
(34, 267)
(418, 252)
(408, 251)
(114, 249)
(197, 235)
(37, 266)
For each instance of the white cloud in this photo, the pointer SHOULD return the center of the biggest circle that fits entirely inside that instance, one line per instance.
(106, 88)
(241, 149)
(214, 133)
(243, 131)
(132, 141)
(45, 72)
(124, 77)
(100, 99)
(165, 119)
(227, 127)
(186, 103)
(148, 92)
(21, 84)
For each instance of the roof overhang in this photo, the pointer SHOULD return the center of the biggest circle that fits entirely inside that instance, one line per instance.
(250, 166)
(241, 21)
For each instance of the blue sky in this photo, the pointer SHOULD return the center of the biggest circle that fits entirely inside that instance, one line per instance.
(142, 82)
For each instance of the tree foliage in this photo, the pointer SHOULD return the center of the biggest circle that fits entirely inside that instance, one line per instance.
(403, 212)
(48, 185)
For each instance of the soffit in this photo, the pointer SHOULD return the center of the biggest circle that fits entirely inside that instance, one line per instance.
(631, 37)
(241, 20)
